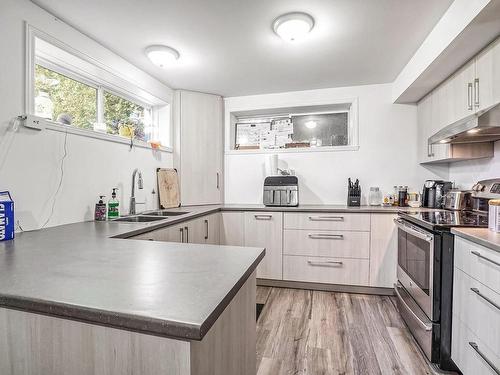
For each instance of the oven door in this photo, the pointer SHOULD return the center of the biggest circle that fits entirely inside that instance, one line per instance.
(416, 263)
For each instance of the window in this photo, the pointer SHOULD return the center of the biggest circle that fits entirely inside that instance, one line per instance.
(329, 129)
(68, 89)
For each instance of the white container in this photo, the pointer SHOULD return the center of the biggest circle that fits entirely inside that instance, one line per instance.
(375, 196)
(494, 215)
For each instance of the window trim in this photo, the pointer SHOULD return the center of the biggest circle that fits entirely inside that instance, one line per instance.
(32, 60)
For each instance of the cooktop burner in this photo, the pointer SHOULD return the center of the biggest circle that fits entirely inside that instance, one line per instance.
(448, 219)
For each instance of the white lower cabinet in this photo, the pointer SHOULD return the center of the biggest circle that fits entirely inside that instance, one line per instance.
(346, 271)
(172, 233)
(265, 229)
(232, 228)
(383, 250)
(476, 309)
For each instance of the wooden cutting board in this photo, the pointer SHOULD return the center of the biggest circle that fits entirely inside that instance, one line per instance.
(168, 187)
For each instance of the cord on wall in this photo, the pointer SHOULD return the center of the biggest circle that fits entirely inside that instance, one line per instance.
(61, 178)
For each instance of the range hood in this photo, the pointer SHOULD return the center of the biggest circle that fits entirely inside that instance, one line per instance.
(480, 127)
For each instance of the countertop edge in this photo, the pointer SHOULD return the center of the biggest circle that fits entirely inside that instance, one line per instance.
(135, 323)
(460, 232)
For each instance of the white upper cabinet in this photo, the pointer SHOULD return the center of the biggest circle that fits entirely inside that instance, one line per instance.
(487, 83)
(198, 147)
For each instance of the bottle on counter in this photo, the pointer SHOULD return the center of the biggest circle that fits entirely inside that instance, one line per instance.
(113, 206)
(403, 196)
(494, 215)
(100, 210)
(395, 196)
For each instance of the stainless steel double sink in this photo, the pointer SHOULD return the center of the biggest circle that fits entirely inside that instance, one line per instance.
(147, 217)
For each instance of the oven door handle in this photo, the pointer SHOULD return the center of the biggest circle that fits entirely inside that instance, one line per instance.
(408, 229)
(427, 327)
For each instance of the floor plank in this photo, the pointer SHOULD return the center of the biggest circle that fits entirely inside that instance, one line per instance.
(312, 333)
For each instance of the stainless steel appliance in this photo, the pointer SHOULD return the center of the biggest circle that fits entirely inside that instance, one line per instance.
(425, 270)
(458, 200)
(281, 191)
(433, 193)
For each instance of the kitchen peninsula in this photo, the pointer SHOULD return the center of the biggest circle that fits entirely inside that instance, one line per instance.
(74, 300)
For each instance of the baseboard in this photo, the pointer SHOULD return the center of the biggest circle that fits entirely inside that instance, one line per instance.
(326, 287)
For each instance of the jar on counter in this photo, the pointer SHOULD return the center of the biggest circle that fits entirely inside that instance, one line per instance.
(403, 196)
(375, 196)
(494, 215)
(395, 196)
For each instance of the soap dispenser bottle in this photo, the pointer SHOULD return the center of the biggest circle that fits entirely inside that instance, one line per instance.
(113, 206)
(100, 210)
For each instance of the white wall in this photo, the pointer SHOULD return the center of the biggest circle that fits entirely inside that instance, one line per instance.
(387, 155)
(466, 173)
(30, 160)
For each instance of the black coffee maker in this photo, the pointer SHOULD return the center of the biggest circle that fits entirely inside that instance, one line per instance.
(434, 192)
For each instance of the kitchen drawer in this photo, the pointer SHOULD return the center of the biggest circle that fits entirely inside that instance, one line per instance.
(469, 360)
(327, 221)
(341, 244)
(478, 307)
(479, 262)
(326, 270)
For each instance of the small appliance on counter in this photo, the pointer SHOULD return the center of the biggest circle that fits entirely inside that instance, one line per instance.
(458, 200)
(353, 193)
(281, 191)
(433, 193)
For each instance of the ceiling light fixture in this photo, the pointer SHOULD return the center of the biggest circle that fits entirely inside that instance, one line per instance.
(311, 124)
(162, 56)
(473, 131)
(293, 26)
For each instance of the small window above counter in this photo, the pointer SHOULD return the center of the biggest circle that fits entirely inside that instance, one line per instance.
(329, 127)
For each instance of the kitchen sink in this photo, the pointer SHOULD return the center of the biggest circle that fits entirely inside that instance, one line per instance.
(139, 219)
(166, 213)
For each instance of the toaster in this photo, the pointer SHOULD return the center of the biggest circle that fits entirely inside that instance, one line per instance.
(458, 200)
(281, 191)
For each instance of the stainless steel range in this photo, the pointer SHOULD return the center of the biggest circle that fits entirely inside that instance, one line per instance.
(425, 270)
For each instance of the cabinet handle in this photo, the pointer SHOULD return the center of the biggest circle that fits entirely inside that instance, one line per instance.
(481, 354)
(326, 236)
(206, 229)
(494, 304)
(469, 96)
(325, 263)
(218, 185)
(476, 92)
(182, 234)
(430, 151)
(478, 254)
(187, 234)
(263, 217)
(326, 218)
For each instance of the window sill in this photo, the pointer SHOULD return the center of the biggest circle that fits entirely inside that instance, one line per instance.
(294, 150)
(54, 126)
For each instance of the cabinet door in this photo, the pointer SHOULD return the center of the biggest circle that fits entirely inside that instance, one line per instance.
(462, 93)
(384, 250)
(169, 234)
(200, 148)
(194, 231)
(265, 229)
(439, 116)
(424, 112)
(232, 229)
(487, 86)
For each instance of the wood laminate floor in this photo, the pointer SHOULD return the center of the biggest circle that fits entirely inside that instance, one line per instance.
(312, 332)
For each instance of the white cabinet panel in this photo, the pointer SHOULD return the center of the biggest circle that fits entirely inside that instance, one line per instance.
(199, 147)
(384, 250)
(487, 86)
(232, 228)
(327, 221)
(265, 229)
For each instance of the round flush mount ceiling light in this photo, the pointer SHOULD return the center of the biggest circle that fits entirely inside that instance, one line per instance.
(311, 124)
(162, 56)
(293, 26)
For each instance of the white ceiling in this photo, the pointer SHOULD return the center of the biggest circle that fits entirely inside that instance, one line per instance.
(228, 47)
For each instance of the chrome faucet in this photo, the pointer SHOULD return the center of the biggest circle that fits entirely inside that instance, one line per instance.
(140, 185)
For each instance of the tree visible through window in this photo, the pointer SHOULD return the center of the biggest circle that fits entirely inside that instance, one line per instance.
(124, 117)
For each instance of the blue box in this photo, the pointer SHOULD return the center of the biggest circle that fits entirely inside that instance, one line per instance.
(7, 226)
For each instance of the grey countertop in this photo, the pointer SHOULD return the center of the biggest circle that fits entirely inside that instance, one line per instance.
(90, 272)
(78, 272)
(481, 236)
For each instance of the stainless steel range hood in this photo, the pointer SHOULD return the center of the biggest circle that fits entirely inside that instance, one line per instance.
(481, 127)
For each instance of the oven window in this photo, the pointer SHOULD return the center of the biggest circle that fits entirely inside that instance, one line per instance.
(414, 259)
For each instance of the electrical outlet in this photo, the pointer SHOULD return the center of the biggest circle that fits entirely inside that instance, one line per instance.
(34, 122)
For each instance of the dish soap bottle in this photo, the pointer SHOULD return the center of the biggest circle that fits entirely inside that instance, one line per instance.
(100, 210)
(113, 206)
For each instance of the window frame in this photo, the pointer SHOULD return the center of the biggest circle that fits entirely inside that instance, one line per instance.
(100, 85)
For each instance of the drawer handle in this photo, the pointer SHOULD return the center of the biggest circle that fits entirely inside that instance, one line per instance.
(425, 326)
(330, 263)
(475, 290)
(479, 255)
(326, 218)
(263, 217)
(481, 354)
(325, 236)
